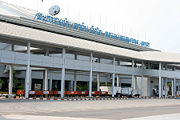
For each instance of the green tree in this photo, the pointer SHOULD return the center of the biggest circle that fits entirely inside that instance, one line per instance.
(1, 83)
(16, 85)
(82, 87)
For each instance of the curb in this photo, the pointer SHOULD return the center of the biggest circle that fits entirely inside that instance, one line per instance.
(91, 99)
(75, 99)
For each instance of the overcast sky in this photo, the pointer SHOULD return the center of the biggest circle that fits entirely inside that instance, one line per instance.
(154, 21)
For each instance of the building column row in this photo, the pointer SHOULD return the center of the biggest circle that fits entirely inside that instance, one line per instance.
(163, 84)
(28, 77)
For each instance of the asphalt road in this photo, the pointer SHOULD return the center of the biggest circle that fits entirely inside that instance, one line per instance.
(91, 110)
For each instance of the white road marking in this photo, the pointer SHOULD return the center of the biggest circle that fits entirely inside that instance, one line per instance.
(175, 116)
(33, 117)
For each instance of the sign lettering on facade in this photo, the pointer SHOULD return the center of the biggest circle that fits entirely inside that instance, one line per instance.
(92, 29)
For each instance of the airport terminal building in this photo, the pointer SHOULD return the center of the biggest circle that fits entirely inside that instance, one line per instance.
(49, 53)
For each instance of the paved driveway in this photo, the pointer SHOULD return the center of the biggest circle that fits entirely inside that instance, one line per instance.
(150, 109)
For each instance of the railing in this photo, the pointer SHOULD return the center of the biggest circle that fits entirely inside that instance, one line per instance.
(58, 93)
(16, 58)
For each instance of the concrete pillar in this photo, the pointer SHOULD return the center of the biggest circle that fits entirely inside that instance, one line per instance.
(142, 85)
(133, 77)
(117, 80)
(99, 60)
(30, 80)
(45, 79)
(10, 79)
(98, 81)
(63, 72)
(160, 82)
(98, 77)
(166, 84)
(162, 85)
(11, 75)
(149, 86)
(142, 80)
(174, 84)
(113, 76)
(28, 69)
(75, 81)
(173, 87)
(135, 82)
(166, 91)
(50, 80)
(91, 72)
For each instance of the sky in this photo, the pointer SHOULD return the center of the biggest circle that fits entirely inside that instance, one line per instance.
(154, 21)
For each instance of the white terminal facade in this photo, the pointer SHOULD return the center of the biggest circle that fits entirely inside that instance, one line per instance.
(60, 58)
